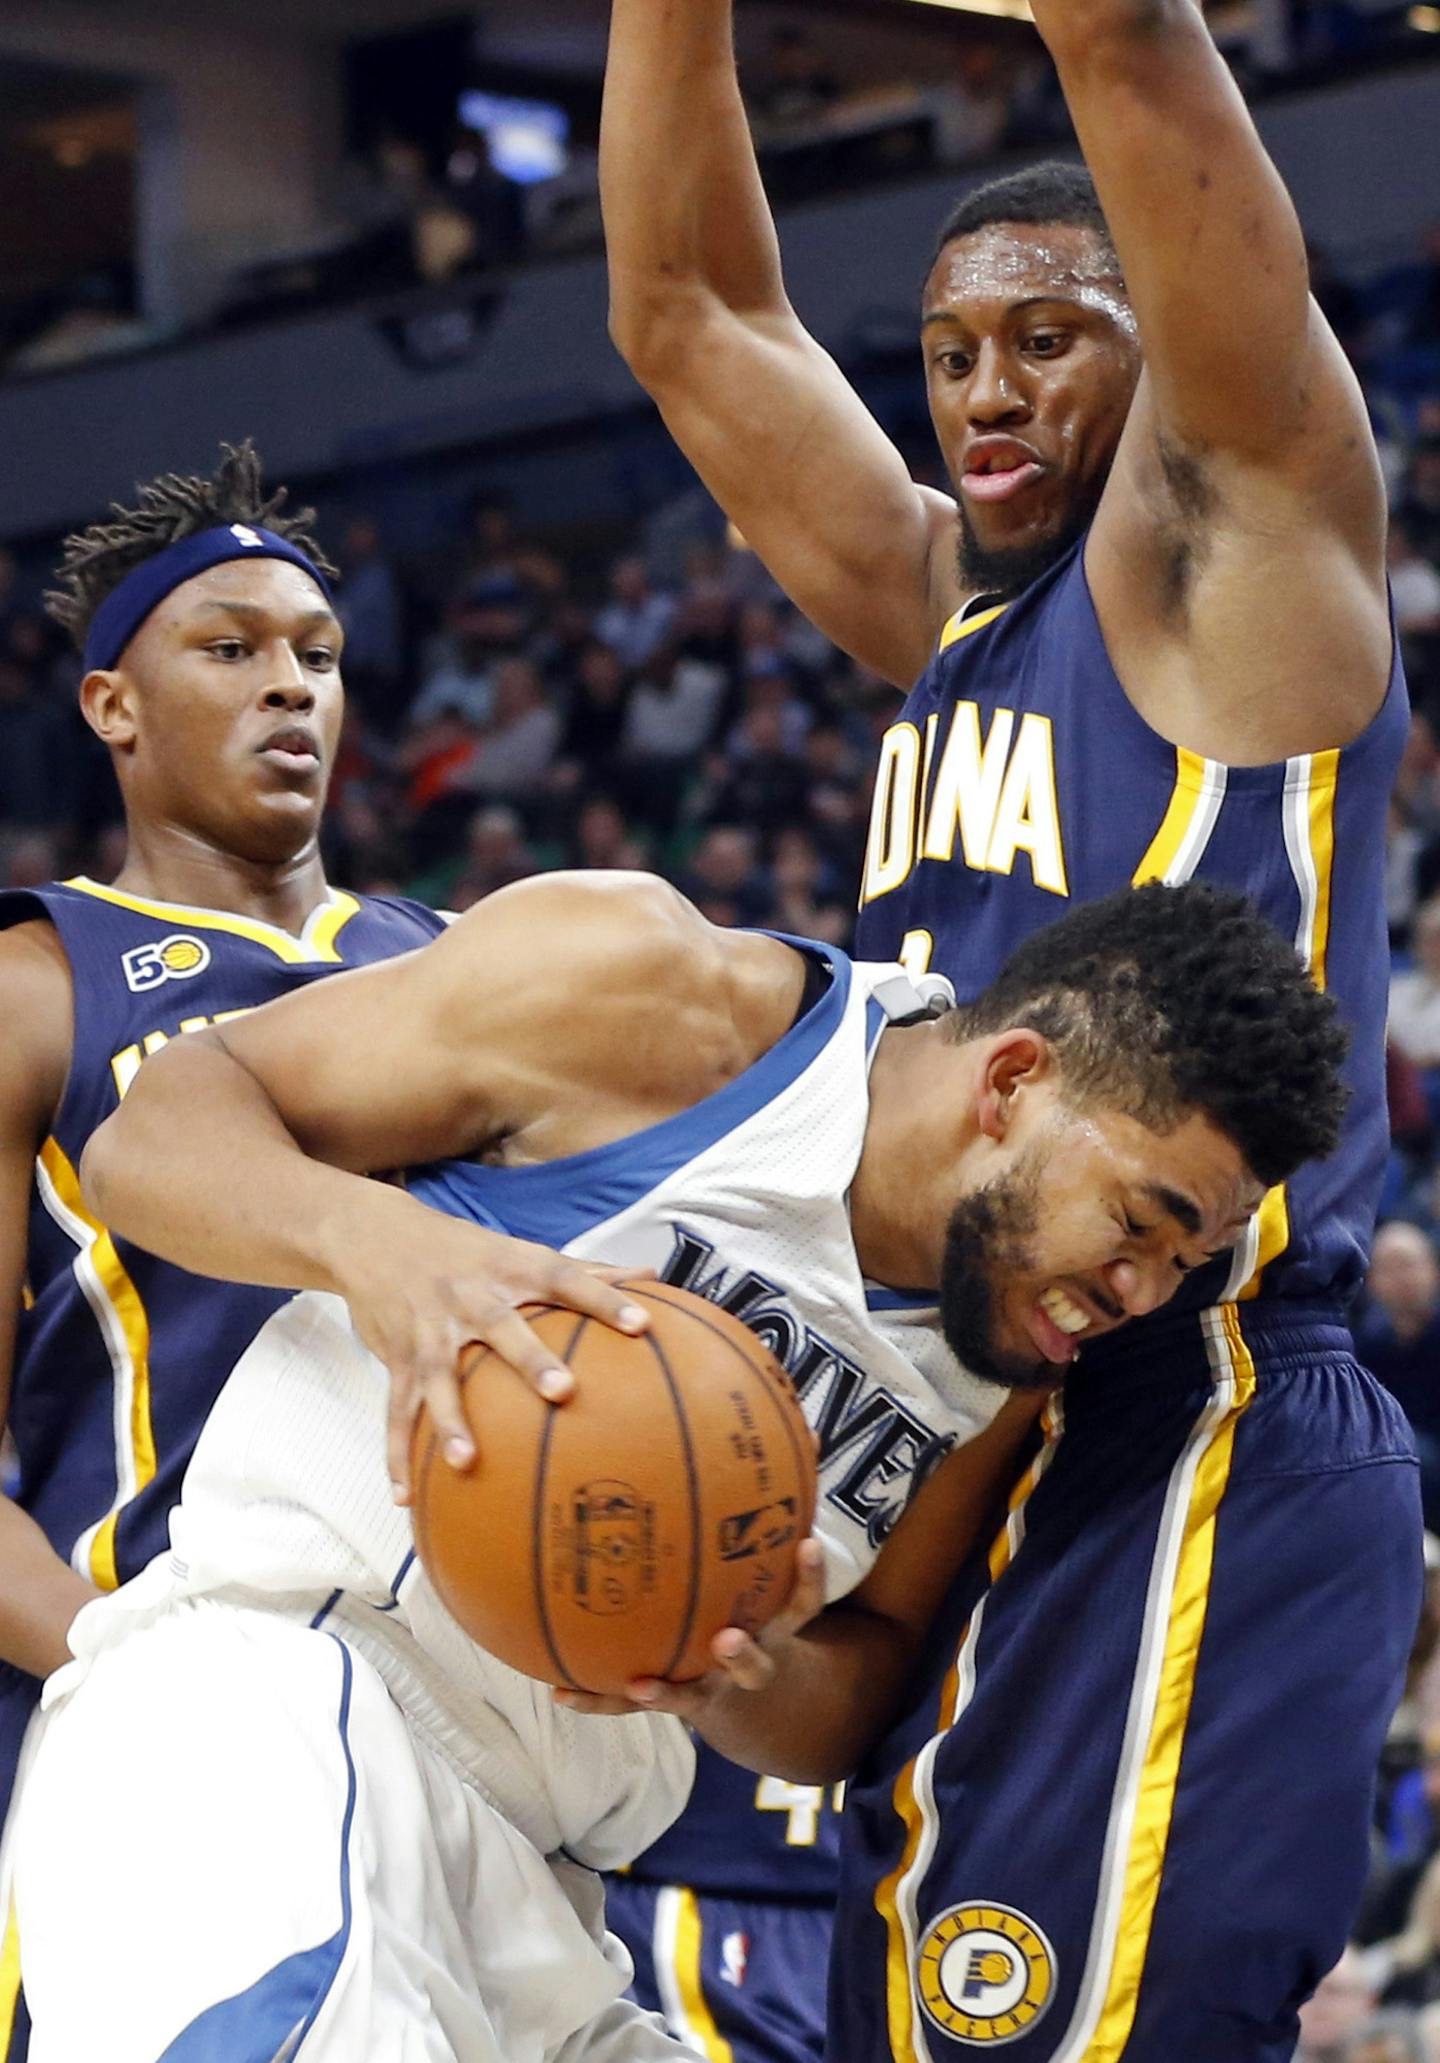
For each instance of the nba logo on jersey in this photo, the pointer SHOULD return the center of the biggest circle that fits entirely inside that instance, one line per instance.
(734, 1955)
(179, 957)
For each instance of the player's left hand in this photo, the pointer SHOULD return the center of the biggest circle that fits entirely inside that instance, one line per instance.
(742, 1661)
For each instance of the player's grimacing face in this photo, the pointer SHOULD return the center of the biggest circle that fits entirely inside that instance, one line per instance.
(1093, 1220)
(234, 704)
(1031, 361)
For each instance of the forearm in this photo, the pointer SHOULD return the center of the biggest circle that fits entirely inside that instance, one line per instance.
(683, 202)
(39, 1596)
(834, 1688)
(230, 1193)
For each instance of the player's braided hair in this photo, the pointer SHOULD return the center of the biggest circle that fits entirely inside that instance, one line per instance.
(1162, 1001)
(1039, 194)
(176, 505)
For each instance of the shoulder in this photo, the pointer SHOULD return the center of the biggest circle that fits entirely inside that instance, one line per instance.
(618, 974)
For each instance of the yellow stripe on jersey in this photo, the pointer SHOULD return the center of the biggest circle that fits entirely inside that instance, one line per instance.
(687, 1977)
(961, 625)
(1324, 771)
(909, 1807)
(1154, 1794)
(132, 1332)
(9, 1978)
(316, 942)
(1187, 798)
(1317, 776)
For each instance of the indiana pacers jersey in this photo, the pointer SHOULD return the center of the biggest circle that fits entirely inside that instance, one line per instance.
(119, 1356)
(1019, 778)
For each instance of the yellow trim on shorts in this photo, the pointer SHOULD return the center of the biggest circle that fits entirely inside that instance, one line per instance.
(316, 942)
(1160, 1772)
(899, 1990)
(1185, 800)
(134, 1327)
(688, 1932)
(962, 626)
(9, 1978)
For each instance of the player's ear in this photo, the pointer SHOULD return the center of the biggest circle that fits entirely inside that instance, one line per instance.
(107, 703)
(1014, 1059)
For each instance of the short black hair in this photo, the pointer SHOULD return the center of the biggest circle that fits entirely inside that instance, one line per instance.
(176, 505)
(1044, 193)
(1163, 1001)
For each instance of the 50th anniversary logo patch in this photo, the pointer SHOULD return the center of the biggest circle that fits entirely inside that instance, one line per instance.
(176, 958)
(984, 1973)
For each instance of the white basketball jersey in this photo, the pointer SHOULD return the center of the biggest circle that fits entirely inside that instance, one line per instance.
(741, 1198)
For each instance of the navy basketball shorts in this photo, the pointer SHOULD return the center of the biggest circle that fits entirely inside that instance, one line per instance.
(739, 1980)
(1126, 1813)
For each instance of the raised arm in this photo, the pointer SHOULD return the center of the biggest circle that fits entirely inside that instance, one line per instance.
(39, 1593)
(1249, 428)
(243, 1151)
(699, 311)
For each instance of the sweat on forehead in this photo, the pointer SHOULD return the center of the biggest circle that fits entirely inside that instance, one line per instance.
(1024, 262)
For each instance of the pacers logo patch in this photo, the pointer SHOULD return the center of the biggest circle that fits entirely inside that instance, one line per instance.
(984, 1973)
(175, 958)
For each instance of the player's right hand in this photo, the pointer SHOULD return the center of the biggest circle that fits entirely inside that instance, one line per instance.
(422, 1301)
(740, 1661)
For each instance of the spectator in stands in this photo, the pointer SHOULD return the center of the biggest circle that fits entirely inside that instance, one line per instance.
(637, 619)
(37, 759)
(1415, 993)
(1410, 1961)
(724, 878)
(1414, 581)
(1420, 501)
(602, 838)
(808, 899)
(1397, 1336)
(594, 724)
(369, 607)
(514, 753)
(1343, 2001)
(763, 783)
(1386, 2038)
(794, 85)
(496, 853)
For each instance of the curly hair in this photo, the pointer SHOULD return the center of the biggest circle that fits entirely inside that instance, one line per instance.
(95, 561)
(1162, 1001)
(1039, 194)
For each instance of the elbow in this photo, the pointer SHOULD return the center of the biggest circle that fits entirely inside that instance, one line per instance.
(96, 1172)
(651, 327)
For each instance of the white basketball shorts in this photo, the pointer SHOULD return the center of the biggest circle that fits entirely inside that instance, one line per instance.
(234, 1849)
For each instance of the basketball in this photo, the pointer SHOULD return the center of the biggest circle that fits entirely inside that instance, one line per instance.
(614, 1535)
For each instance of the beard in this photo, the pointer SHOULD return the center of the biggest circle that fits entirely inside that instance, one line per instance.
(987, 1239)
(1006, 570)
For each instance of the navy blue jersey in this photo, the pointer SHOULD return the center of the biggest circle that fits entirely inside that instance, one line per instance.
(1019, 778)
(755, 1836)
(119, 1356)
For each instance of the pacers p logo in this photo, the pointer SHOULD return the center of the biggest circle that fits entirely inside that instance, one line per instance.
(984, 1973)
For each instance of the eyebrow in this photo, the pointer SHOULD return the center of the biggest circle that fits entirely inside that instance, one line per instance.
(1179, 1207)
(252, 611)
(1011, 308)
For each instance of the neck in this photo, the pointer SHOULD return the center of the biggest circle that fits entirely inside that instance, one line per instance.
(906, 1182)
(167, 864)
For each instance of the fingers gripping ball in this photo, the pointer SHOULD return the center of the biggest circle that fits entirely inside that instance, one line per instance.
(614, 1535)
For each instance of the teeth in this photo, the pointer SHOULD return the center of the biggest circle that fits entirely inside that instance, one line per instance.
(1061, 1311)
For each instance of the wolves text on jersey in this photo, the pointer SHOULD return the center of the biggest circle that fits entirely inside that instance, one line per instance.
(875, 1452)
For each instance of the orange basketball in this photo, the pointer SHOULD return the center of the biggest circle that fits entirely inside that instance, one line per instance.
(612, 1536)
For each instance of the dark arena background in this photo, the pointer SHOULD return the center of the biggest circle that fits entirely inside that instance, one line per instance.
(366, 234)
